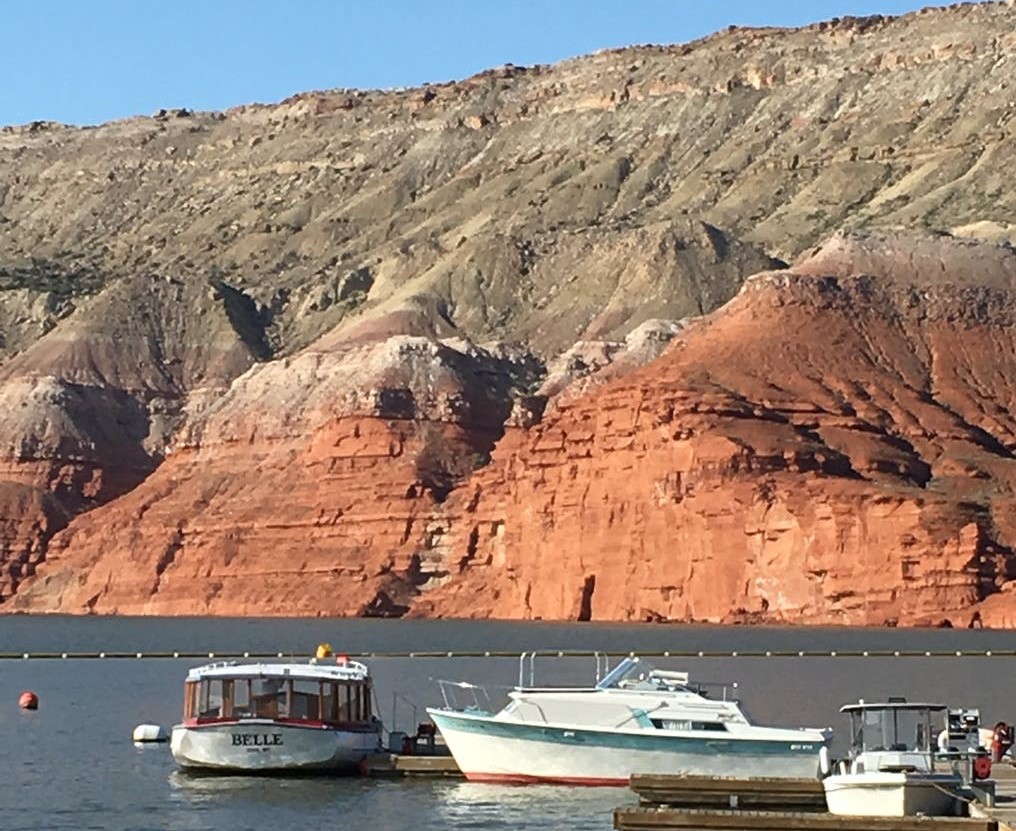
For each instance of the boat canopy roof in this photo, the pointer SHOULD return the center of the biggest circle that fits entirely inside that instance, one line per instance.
(861, 706)
(348, 671)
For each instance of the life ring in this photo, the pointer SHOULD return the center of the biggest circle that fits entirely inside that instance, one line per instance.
(982, 767)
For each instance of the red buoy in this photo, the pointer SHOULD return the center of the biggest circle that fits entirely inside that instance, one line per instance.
(28, 701)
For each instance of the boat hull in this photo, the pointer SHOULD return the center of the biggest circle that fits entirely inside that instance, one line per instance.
(488, 749)
(879, 794)
(263, 746)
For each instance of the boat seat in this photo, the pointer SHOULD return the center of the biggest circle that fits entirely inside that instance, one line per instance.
(897, 768)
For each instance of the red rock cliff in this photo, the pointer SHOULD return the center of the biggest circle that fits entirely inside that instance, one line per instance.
(833, 446)
(310, 489)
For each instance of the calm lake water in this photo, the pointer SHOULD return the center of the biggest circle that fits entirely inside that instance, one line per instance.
(71, 764)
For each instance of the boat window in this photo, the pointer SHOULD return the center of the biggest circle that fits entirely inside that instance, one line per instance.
(329, 702)
(210, 703)
(349, 703)
(191, 695)
(681, 724)
(270, 697)
(238, 692)
(892, 729)
(306, 699)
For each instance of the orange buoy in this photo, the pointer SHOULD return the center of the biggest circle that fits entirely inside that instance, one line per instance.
(28, 701)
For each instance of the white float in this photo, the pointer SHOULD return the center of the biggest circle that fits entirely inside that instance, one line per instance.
(145, 733)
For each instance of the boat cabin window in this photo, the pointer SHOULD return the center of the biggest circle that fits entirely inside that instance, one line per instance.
(306, 699)
(681, 724)
(238, 691)
(210, 699)
(269, 697)
(891, 729)
(278, 698)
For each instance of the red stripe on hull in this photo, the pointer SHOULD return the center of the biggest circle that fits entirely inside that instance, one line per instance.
(524, 779)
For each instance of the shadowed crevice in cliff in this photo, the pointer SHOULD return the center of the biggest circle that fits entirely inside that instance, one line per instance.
(585, 612)
(250, 322)
(442, 462)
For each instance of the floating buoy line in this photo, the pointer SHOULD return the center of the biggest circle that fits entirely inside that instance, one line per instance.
(549, 653)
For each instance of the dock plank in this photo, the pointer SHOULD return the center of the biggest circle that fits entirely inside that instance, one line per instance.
(397, 764)
(761, 793)
(655, 819)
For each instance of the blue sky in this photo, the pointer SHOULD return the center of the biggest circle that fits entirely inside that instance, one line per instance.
(89, 61)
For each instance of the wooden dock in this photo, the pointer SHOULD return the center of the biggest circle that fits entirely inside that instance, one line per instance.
(398, 765)
(760, 794)
(763, 804)
(657, 819)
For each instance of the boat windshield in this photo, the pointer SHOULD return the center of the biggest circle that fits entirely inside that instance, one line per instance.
(636, 674)
(224, 698)
(891, 729)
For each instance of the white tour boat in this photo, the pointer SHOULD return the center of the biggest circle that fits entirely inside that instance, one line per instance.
(276, 717)
(637, 719)
(891, 770)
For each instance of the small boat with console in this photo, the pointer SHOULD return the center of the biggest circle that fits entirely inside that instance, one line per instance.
(892, 769)
(277, 717)
(636, 719)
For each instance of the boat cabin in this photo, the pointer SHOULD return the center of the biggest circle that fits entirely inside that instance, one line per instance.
(331, 695)
(892, 736)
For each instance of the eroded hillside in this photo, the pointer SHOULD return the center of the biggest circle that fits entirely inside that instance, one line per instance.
(246, 353)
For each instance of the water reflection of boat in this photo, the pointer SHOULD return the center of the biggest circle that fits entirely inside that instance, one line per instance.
(491, 805)
(890, 770)
(276, 717)
(637, 719)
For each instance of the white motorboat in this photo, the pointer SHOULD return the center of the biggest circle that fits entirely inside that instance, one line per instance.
(276, 717)
(891, 769)
(637, 719)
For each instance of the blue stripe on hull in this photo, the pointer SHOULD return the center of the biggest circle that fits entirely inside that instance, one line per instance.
(722, 745)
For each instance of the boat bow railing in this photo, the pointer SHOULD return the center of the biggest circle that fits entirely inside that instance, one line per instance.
(450, 691)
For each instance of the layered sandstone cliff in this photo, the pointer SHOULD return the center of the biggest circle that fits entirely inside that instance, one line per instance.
(833, 446)
(370, 352)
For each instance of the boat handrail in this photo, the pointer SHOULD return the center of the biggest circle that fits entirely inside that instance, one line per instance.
(350, 671)
(602, 666)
